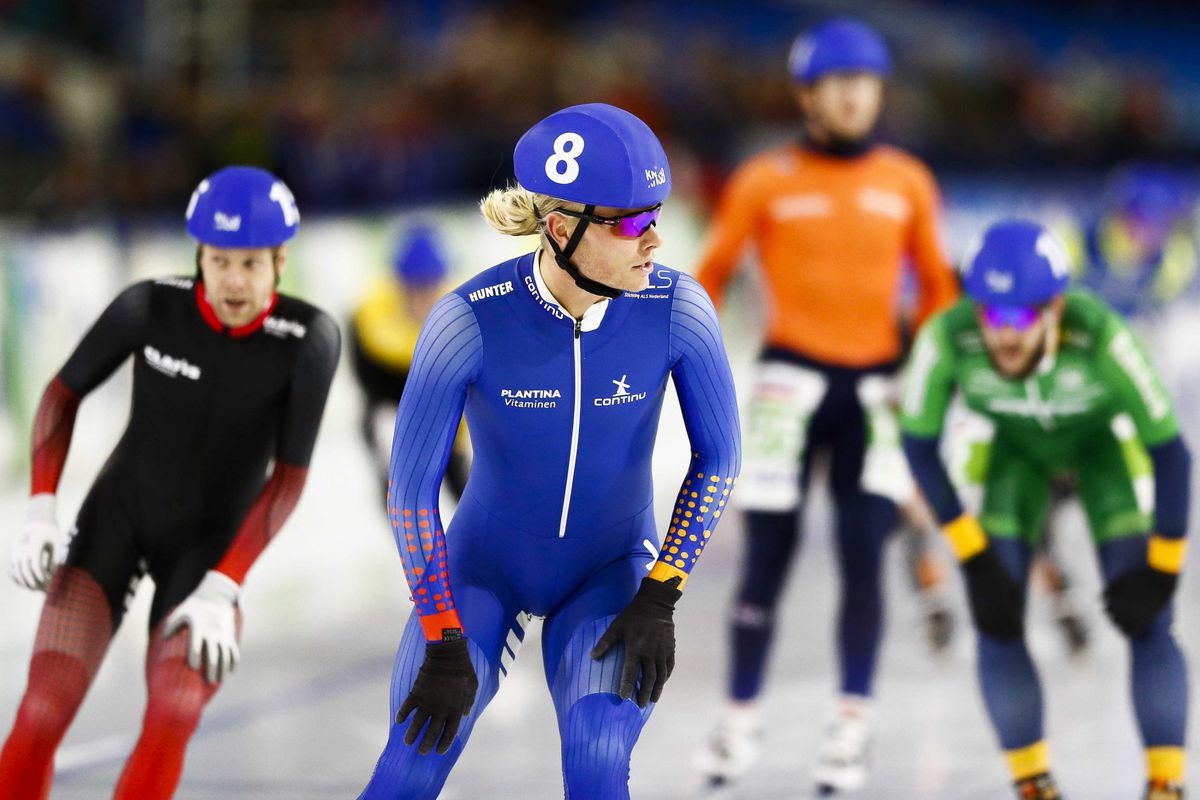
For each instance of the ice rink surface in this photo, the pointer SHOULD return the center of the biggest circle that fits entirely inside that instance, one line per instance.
(306, 714)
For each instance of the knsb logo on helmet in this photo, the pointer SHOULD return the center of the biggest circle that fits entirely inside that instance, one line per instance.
(224, 222)
(999, 282)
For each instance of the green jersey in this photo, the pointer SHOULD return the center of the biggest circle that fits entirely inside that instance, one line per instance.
(1100, 378)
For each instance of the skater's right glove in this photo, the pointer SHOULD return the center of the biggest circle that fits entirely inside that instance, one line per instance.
(442, 695)
(41, 545)
(995, 598)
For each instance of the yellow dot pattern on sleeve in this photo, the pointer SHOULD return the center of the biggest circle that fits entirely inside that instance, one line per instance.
(692, 521)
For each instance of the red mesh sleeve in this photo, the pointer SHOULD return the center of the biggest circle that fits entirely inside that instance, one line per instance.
(264, 519)
(52, 429)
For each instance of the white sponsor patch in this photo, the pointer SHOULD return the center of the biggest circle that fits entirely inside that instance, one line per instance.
(283, 328)
(530, 398)
(801, 206)
(885, 203)
(1129, 358)
(621, 396)
(1069, 379)
(495, 290)
(178, 283)
(169, 365)
(785, 398)
(1038, 409)
(536, 295)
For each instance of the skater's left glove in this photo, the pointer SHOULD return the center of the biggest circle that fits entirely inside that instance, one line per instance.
(996, 600)
(210, 614)
(442, 694)
(647, 629)
(1135, 598)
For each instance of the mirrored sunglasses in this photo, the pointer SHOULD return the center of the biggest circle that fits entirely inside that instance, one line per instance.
(1019, 318)
(629, 226)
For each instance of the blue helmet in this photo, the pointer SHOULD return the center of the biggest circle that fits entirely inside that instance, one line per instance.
(840, 45)
(1016, 263)
(1150, 194)
(595, 154)
(242, 207)
(419, 260)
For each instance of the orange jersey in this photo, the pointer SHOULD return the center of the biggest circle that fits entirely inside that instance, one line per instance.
(833, 236)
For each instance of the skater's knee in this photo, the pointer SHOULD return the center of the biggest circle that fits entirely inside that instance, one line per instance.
(598, 736)
(402, 773)
(178, 695)
(45, 715)
(176, 711)
(57, 684)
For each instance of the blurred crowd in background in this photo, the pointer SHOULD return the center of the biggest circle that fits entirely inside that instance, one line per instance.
(117, 107)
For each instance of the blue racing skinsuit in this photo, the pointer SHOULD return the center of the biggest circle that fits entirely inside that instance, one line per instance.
(557, 516)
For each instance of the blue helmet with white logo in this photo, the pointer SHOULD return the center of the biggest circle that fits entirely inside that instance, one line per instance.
(1016, 263)
(419, 260)
(595, 154)
(840, 45)
(242, 207)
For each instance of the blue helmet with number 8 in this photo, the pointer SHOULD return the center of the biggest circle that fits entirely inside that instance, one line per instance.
(1016, 263)
(595, 154)
(242, 207)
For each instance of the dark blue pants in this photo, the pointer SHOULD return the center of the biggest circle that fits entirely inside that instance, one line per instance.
(1012, 692)
(863, 521)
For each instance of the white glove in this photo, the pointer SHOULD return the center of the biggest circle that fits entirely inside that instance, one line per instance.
(210, 614)
(41, 545)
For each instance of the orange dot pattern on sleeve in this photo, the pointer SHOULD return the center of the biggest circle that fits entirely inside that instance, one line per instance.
(423, 548)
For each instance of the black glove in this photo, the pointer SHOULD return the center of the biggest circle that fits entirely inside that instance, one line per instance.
(647, 630)
(1135, 598)
(996, 602)
(442, 694)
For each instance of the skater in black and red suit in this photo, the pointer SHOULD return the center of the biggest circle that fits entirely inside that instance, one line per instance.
(229, 384)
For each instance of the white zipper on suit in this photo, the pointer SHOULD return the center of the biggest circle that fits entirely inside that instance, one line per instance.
(562, 525)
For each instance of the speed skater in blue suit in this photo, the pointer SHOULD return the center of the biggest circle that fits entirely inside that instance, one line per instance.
(560, 359)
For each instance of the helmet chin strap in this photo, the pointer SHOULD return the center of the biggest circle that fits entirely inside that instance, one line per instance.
(562, 257)
(1050, 348)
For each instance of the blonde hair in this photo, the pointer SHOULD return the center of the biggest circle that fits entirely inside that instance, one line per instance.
(516, 211)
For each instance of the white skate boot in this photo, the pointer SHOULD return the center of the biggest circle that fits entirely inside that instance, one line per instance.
(732, 748)
(842, 758)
